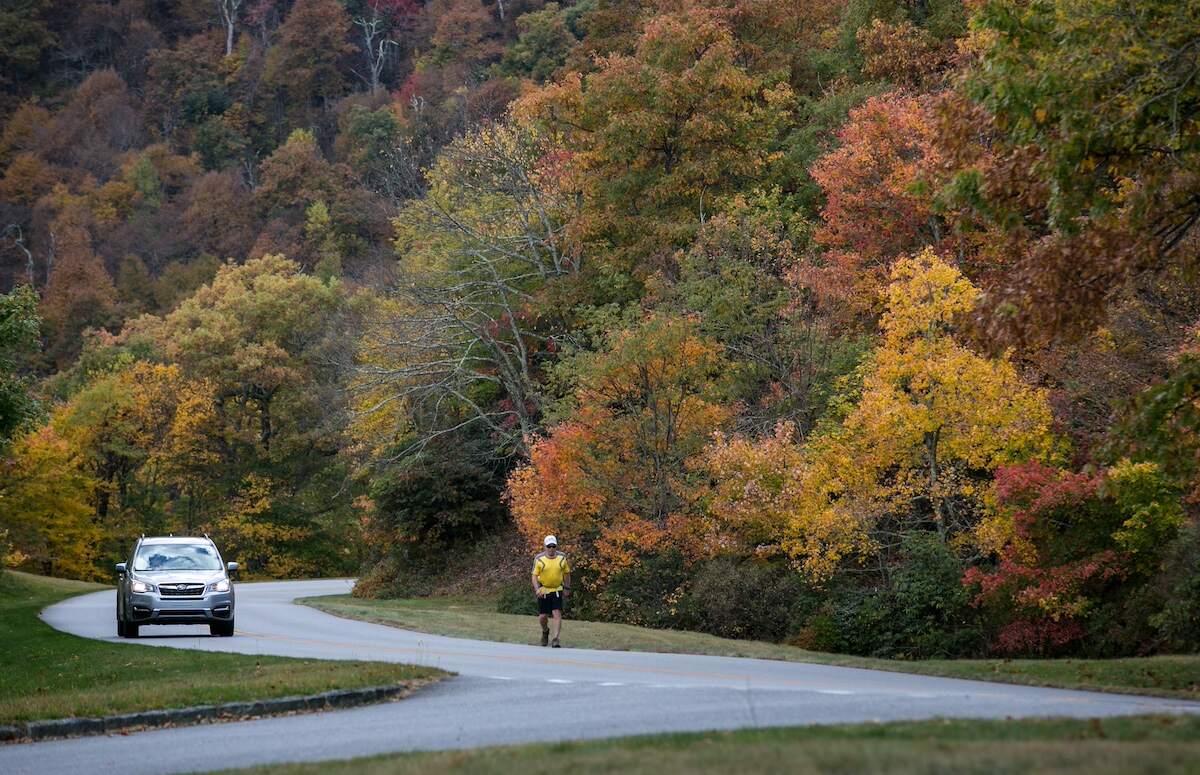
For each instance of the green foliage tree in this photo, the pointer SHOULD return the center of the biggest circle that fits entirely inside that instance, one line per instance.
(542, 46)
(19, 338)
(463, 338)
(1092, 173)
(25, 37)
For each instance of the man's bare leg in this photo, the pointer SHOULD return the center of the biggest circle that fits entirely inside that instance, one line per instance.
(557, 625)
(545, 628)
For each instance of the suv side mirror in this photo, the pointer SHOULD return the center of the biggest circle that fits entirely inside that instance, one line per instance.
(120, 567)
(231, 566)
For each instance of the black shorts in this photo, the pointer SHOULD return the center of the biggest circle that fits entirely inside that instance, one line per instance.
(549, 602)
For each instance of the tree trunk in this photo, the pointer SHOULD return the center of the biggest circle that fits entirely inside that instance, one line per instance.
(931, 442)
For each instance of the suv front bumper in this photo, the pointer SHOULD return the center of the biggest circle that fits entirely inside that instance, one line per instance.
(150, 608)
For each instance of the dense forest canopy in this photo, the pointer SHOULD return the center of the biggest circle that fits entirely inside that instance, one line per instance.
(885, 309)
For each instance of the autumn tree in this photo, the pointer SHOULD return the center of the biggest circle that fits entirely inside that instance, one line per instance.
(795, 37)
(249, 448)
(606, 27)
(902, 54)
(249, 331)
(215, 218)
(463, 337)
(45, 507)
(465, 34)
(80, 293)
(611, 479)
(659, 136)
(97, 125)
(932, 421)
(297, 176)
(309, 62)
(1063, 540)
(874, 211)
(1088, 175)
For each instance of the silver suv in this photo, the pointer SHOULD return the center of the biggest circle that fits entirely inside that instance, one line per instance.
(174, 581)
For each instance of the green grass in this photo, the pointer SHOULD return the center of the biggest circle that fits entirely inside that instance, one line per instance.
(1164, 676)
(50, 674)
(1146, 744)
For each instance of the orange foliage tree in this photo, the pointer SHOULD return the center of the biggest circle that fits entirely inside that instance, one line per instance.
(875, 209)
(612, 481)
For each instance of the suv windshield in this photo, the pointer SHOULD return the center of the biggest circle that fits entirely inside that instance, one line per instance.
(177, 557)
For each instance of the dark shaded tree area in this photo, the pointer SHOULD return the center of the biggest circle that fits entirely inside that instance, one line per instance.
(144, 140)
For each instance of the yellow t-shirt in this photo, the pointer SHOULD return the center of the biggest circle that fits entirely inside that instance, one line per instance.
(550, 571)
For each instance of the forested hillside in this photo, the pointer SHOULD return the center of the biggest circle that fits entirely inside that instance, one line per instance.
(870, 325)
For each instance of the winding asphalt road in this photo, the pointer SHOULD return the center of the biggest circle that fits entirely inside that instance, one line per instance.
(508, 693)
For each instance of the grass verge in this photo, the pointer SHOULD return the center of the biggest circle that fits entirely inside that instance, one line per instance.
(50, 674)
(1145, 744)
(1163, 676)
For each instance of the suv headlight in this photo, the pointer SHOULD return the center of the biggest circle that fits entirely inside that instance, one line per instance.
(221, 586)
(141, 586)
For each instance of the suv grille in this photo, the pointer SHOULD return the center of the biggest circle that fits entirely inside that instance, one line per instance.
(181, 590)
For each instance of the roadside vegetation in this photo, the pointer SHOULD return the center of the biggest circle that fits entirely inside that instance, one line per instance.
(461, 617)
(1124, 746)
(49, 674)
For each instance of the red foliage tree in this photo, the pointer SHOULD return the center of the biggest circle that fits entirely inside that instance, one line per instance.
(1070, 537)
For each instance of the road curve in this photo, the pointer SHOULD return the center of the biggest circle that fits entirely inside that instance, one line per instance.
(509, 693)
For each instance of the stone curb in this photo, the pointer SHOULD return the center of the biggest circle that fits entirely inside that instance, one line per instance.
(77, 727)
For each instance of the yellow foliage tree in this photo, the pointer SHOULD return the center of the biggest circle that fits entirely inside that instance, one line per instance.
(933, 421)
(248, 531)
(45, 507)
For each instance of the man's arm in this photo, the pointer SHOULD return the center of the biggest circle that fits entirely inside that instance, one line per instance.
(537, 587)
(566, 583)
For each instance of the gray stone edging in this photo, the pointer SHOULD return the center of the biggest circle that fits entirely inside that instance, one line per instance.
(75, 727)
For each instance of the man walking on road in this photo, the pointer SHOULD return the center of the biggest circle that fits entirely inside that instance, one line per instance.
(551, 583)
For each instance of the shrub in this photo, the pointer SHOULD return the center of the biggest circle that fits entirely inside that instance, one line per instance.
(650, 593)
(1178, 623)
(747, 599)
(517, 598)
(922, 612)
(852, 620)
(933, 610)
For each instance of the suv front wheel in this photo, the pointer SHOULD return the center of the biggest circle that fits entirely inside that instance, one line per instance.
(221, 629)
(125, 629)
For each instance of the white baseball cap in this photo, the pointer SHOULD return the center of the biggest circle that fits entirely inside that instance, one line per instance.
(550, 541)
